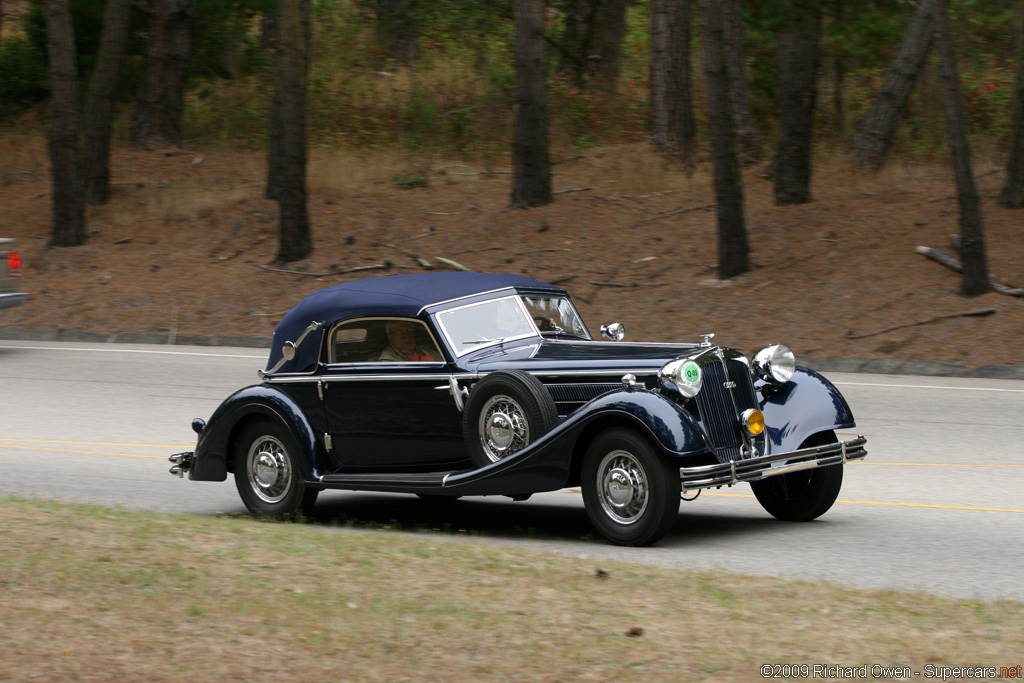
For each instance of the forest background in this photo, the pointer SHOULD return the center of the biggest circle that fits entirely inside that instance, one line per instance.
(410, 121)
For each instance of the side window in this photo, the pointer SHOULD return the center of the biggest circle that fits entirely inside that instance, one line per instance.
(408, 341)
(377, 340)
(358, 341)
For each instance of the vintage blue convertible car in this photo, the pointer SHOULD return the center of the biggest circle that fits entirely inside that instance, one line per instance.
(458, 384)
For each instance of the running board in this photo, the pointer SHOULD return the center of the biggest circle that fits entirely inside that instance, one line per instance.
(397, 480)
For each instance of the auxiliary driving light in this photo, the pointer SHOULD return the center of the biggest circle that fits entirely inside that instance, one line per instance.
(753, 421)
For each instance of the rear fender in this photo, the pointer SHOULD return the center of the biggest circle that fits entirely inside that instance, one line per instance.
(216, 446)
(805, 405)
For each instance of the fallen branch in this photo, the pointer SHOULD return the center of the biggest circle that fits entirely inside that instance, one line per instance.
(676, 212)
(426, 233)
(950, 262)
(575, 189)
(226, 257)
(560, 279)
(537, 251)
(376, 266)
(627, 284)
(424, 263)
(965, 314)
(453, 264)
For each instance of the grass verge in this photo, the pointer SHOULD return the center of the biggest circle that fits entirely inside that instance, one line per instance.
(97, 594)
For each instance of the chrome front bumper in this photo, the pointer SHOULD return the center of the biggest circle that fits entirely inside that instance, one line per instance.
(753, 469)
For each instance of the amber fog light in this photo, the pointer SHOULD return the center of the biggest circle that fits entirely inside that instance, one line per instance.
(753, 421)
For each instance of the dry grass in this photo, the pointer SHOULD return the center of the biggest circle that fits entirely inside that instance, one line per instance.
(94, 594)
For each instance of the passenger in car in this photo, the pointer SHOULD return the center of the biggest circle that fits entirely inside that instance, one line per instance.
(402, 344)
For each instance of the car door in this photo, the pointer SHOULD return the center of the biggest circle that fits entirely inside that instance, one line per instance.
(392, 415)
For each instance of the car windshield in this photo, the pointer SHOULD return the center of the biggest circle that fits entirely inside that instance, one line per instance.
(511, 317)
(555, 316)
(487, 322)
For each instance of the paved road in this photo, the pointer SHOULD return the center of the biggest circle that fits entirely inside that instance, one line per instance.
(936, 507)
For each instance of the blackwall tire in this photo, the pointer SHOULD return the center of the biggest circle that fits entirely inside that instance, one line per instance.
(506, 411)
(266, 472)
(631, 492)
(804, 495)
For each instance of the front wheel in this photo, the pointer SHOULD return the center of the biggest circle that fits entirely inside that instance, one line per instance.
(266, 475)
(804, 495)
(631, 492)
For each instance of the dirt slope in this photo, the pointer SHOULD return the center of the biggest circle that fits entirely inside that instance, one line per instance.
(184, 246)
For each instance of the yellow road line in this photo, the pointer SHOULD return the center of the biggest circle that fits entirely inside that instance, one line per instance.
(92, 443)
(928, 464)
(68, 450)
(880, 502)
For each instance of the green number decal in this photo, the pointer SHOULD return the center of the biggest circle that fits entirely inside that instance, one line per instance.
(691, 372)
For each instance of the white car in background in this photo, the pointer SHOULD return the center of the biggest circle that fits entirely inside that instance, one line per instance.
(10, 272)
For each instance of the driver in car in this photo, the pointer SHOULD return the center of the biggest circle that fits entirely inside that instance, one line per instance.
(402, 345)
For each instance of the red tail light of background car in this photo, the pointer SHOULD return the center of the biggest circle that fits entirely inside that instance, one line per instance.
(13, 263)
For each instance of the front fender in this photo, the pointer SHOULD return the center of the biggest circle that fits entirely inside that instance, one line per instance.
(672, 427)
(215, 448)
(805, 405)
(546, 464)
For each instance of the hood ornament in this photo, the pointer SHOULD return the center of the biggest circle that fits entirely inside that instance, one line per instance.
(707, 339)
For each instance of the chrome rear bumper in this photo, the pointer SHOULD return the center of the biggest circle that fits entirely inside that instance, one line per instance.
(753, 469)
(8, 299)
(182, 463)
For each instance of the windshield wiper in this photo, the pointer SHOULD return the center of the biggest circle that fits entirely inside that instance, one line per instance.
(485, 341)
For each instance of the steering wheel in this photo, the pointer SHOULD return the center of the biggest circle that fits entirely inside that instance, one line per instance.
(546, 324)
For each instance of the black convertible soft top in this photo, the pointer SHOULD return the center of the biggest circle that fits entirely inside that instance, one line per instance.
(395, 295)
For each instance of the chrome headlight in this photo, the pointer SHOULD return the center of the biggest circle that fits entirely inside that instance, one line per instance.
(685, 374)
(775, 363)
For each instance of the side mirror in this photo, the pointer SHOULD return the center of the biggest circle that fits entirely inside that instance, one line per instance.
(615, 331)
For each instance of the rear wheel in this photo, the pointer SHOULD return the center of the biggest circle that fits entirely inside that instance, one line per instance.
(631, 492)
(266, 474)
(804, 495)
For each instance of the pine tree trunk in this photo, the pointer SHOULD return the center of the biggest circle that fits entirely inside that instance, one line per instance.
(672, 125)
(972, 232)
(609, 30)
(290, 86)
(874, 139)
(838, 76)
(397, 30)
(1012, 196)
(161, 99)
(797, 47)
(733, 256)
(94, 154)
(748, 142)
(68, 207)
(275, 141)
(531, 164)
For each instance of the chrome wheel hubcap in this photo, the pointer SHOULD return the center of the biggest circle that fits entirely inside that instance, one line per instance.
(622, 487)
(269, 469)
(503, 428)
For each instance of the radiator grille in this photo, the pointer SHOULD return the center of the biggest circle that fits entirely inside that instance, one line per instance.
(719, 413)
